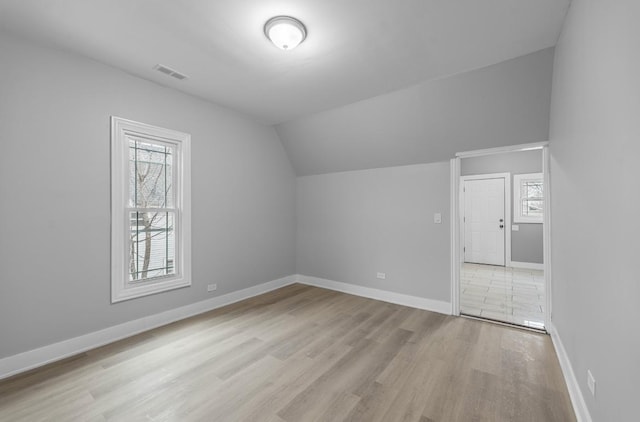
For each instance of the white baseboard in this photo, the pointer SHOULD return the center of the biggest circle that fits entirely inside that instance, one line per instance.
(527, 265)
(577, 399)
(383, 295)
(25, 361)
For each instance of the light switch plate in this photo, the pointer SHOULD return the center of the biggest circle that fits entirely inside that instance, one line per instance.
(437, 218)
(515, 228)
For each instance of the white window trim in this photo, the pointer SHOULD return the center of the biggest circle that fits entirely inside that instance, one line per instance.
(121, 288)
(517, 199)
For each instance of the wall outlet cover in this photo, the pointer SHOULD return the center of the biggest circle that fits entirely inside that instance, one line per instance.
(381, 276)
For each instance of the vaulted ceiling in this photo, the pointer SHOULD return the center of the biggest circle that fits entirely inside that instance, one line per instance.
(503, 104)
(356, 49)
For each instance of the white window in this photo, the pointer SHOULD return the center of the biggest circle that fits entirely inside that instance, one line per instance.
(150, 209)
(528, 198)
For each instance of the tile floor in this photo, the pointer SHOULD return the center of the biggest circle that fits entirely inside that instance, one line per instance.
(514, 295)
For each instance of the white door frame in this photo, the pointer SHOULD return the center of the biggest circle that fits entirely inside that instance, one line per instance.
(507, 211)
(456, 256)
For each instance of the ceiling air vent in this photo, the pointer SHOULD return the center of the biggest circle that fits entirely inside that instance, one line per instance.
(168, 71)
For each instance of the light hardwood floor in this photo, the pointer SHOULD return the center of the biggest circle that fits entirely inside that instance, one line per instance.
(303, 354)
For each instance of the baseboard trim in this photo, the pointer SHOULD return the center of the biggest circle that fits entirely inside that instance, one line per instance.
(577, 399)
(526, 265)
(13, 365)
(378, 294)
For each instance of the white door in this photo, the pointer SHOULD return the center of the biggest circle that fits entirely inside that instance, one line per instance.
(484, 234)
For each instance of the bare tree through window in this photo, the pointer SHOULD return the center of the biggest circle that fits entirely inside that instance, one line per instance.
(152, 222)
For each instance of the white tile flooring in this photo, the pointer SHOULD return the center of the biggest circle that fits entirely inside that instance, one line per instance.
(514, 295)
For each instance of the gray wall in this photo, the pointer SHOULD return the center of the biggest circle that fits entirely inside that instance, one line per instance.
(526, 244)
(54, 190)
(352, 225)
(503, 104)
(595, 151)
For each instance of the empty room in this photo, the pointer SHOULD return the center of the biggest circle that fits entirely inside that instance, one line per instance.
(319, 210)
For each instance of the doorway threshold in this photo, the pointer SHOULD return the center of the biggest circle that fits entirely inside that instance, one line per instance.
(506, 324)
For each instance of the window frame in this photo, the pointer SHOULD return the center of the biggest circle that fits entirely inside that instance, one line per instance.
(121, 287)
(518, 179)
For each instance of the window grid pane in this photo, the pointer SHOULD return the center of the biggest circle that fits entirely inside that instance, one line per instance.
(532, 207)
(532, 189)
(152, 245)
(531, 198)
(150, 174)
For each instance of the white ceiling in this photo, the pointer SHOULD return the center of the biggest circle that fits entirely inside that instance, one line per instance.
(355, 49)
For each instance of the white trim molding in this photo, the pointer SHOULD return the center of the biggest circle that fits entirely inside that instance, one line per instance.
(499, 150)
(527, 265)
(575, 393)
(31, 359)
(122, 132)
(456, 236)
(378, 294)
(546, 236)
(456, 256)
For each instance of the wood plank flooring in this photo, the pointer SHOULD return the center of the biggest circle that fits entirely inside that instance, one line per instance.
(302, 353)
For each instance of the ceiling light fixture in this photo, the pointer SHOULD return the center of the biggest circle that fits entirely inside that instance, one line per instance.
(285, 32)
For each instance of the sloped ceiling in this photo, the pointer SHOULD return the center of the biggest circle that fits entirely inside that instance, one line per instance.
(503, 104)
(356, 49)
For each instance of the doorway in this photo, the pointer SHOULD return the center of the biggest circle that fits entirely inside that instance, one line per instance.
(500, 236)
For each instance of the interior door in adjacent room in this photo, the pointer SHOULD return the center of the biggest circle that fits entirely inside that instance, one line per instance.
(484, 221)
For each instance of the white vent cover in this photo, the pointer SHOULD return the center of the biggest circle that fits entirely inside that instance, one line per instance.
(168, 71)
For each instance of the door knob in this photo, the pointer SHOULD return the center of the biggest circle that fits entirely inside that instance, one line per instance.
(502, 226)
(501, 220)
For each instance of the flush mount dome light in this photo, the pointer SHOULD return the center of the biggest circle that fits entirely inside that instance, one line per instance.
(285, 32)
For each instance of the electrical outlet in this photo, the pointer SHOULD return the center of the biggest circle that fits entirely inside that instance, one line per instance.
(591, 383)
(212, 287)
(381, 276)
